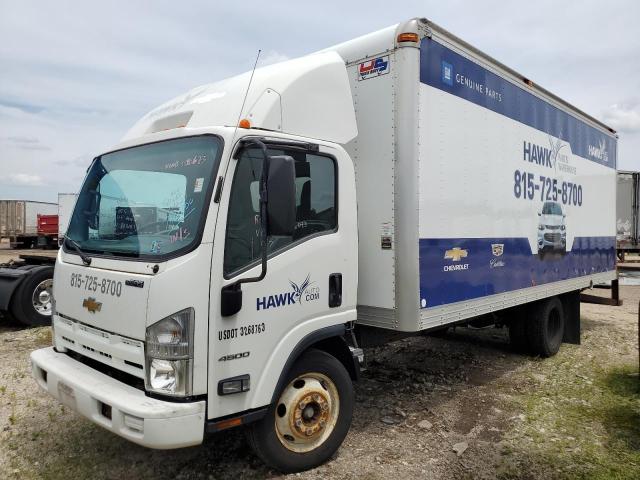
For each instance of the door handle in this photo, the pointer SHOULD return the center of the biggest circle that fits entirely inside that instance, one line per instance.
(335, 290)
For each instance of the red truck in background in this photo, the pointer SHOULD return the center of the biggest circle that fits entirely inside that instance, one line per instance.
(47, 231)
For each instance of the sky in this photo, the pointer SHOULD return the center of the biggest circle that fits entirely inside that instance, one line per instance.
(75, 75)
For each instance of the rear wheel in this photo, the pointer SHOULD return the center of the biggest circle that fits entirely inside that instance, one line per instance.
(545, 328)
(308, 423)
(32, 301)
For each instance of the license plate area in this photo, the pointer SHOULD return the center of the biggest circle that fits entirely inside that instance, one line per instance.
(67, 395)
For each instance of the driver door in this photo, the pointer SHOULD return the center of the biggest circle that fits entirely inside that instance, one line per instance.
(293, 298)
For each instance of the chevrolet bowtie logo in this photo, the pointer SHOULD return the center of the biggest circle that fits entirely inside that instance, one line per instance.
(455, 254)
(91, 305)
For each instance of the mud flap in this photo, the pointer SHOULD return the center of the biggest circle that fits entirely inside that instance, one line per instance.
(571, 307)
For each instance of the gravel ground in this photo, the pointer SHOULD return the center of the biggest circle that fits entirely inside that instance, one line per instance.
(462, 406)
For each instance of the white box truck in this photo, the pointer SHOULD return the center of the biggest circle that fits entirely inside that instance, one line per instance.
(397, 183)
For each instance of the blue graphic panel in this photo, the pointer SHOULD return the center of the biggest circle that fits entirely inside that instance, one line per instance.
(454, 269)
(450, 72)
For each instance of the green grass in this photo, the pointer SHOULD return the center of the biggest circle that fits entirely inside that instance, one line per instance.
(585, 425)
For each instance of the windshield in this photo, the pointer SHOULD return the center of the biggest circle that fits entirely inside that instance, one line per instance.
(551, 208)
(147, 201)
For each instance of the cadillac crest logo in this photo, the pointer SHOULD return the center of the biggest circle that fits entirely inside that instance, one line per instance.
(497, 249)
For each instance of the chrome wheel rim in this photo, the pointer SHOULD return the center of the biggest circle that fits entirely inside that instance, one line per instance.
(307, 412)
(41, 298)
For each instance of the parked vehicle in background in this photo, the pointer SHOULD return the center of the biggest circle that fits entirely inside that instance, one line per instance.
(19, 221)
(552, 229)
(627, 212)
(66, 202)
(26, 287)
(47, 231)
(381, 188)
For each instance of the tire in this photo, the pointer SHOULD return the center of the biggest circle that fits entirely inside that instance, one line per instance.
(7, 318)
(22, 303)
(268, 440)
(545, 327)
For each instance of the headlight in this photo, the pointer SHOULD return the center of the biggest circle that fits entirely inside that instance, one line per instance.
(563, 228)
(540, 227)
(169, 354)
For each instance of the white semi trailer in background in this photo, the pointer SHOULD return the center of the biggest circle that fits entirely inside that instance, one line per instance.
(389, 185)
(19, 221)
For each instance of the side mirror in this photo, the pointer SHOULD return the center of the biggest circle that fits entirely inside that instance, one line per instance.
(278, 218)
(281, 196)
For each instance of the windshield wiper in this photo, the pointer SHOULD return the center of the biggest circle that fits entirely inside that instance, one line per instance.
(85, 258)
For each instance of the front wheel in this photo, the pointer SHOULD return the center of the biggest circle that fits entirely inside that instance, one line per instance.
(311, 418)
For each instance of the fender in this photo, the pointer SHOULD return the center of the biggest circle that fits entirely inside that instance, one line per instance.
(329, 339)
(10, 280)
(320, 337)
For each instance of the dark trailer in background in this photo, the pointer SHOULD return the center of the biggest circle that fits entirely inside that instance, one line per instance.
(627, 200)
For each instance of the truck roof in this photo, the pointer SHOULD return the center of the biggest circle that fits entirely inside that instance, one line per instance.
(282, 94)
(307, 96)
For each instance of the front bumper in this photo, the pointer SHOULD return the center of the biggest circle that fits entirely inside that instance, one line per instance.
(143, 420)
(552, 240)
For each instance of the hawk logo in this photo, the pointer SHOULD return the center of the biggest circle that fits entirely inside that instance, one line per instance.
(298, 291)
(305, 291)
(600, 151)
(91, 305)
(497, 249)
(455, 254)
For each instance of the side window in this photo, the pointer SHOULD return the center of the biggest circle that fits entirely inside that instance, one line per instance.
(315, 205)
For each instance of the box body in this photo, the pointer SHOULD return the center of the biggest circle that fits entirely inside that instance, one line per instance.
(477, 190)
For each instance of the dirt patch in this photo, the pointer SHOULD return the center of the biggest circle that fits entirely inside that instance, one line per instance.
(508, 416)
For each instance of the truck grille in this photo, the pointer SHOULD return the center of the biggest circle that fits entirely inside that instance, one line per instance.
(552, 237)
(119, 375)
(121, 353)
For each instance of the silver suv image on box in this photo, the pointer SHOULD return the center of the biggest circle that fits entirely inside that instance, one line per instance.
(552, 230)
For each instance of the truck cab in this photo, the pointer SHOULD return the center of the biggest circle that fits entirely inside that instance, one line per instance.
(171, 317)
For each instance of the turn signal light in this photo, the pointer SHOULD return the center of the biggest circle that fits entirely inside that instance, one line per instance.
(232, 422)
(244, 123)
(408, 37)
